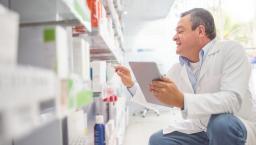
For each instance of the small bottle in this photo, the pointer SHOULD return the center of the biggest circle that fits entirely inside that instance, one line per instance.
(112, 107)
(99, 131)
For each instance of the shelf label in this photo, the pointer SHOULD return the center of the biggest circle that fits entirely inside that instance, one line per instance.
(49, 35)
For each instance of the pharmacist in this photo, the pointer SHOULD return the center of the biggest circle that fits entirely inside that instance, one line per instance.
(209, 85)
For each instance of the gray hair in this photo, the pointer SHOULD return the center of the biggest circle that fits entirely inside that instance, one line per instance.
(200, 16)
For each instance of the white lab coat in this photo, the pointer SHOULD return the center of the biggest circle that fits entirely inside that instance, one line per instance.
(223, 87)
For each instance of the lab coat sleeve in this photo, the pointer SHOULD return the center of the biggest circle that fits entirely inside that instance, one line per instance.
(233, 87)
(135, 94)
(132, 90)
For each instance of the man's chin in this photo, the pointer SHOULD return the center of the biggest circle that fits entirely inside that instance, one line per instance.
(178, 51)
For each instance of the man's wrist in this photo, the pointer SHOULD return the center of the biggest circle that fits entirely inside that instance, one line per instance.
(132, 89)
(181, 102)
(130, 86)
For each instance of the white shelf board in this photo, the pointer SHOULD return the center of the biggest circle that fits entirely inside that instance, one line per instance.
(101, 40)
(81, 11)
(38, 11)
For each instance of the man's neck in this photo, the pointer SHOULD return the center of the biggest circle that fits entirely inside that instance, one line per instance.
(195, 57)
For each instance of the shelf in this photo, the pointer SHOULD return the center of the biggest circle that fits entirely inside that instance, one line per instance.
(31, 97)
(102, 41)
(81, 11)
(119, 5)
(115, 17)
(114, 10)
(70, 22)
(103, 35)
(38, 11)
(101, 54)
(103, 38)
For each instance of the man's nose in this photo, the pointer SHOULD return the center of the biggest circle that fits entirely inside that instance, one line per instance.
(174, 37)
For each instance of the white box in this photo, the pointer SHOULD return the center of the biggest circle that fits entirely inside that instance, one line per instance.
(98, 75)
(22, 90)
(76, 126)
(45, 47)
(81, 58)
(9, 22)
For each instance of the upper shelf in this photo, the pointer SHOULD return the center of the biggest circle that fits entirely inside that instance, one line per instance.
(50, 11)
(103, 28)
(105, 37)
(104, 45)
(81, 11)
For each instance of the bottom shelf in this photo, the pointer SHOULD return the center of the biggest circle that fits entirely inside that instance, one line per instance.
(49, 134)
(76, 129)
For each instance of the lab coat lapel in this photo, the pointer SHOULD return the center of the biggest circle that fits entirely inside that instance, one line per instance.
(204, 68)
(207, 62)
(184, 76)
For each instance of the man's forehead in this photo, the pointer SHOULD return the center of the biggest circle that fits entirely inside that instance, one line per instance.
(184, 21)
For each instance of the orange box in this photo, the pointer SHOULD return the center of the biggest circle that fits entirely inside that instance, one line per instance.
(96, 12)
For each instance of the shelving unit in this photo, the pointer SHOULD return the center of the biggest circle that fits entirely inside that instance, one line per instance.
(50, 81)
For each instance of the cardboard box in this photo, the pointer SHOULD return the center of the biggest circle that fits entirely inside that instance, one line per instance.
(46, 47)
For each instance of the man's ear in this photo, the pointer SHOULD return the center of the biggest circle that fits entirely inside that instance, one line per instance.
(201, 30)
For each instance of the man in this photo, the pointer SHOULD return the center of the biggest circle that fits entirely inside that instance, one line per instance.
(209, 85)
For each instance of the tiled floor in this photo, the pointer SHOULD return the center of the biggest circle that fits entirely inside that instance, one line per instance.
(140, 129)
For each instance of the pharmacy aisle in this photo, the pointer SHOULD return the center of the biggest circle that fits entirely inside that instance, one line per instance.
(141, 128)
(59, 67)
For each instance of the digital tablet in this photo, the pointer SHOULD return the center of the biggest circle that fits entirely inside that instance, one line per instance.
(144, 73)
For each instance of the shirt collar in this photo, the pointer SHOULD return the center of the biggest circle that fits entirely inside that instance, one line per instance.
(203, 52)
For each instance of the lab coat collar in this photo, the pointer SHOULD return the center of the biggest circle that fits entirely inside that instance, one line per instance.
(210, 47)
(183, 60)
(206, 50)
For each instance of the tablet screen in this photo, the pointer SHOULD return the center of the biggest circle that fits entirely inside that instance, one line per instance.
(144, 73)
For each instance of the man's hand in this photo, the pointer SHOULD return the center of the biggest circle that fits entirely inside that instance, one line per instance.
(125, 75)
(166, 91)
